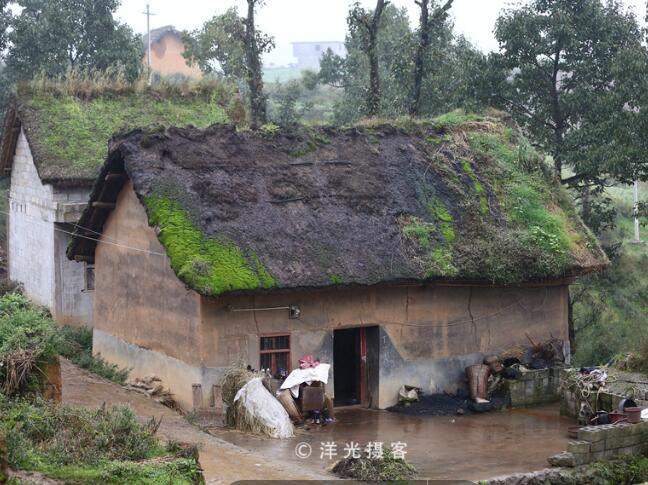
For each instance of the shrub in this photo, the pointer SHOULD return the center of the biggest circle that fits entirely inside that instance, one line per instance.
(67, 435)
(75, 344)
(28, 339)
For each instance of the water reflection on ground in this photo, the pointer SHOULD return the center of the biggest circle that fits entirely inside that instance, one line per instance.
(462, 447)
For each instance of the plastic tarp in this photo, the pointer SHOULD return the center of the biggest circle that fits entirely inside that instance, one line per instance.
(264, 407)
(310, 374)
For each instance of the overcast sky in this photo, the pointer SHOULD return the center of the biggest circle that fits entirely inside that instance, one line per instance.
(314, 20)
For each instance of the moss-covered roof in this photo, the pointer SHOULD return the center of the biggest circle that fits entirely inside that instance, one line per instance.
(68, 134)
(455, 199)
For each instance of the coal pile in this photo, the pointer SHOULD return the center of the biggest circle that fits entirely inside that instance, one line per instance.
(448, 405)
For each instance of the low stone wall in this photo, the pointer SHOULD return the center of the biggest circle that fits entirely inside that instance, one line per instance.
(608, 441)
(534, 387)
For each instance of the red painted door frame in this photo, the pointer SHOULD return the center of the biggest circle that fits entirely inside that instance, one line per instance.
(364, 392)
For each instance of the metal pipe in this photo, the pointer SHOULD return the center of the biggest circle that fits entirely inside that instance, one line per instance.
(232, 309)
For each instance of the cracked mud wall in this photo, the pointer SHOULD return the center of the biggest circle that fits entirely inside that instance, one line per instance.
(148, 320)
(427, 335)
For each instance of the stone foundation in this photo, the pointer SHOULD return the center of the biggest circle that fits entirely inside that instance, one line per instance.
(534, 387)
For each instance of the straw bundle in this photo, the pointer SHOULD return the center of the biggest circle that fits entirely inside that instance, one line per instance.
(233, 380)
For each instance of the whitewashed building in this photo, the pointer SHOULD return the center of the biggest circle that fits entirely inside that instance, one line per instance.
(53, 145)
(44, 205)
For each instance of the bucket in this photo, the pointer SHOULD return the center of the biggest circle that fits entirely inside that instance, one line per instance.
(617, 417)
(478, 381)
(634, 415)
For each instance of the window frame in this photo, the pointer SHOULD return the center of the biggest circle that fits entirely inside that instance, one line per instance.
(273, 352)
(86, 267)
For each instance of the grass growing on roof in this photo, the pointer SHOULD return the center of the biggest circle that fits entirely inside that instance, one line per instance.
(74, 132)
(526, 198)
(208, 265)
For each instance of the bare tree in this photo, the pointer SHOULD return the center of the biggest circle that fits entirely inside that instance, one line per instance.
(255, 44)
(427, 22)
(368, 25)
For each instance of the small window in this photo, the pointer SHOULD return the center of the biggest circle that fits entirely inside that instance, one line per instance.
(275, 354)
(89, 272)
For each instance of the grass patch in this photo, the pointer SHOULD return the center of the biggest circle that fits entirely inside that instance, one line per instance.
(208, 265)
(106, 445)
(75, 344)
(455, 118)
(413, 228)
(75, 131)
(28, 340)
(525, 197)
(387, 468)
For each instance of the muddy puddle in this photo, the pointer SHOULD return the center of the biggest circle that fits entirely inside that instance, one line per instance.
(462, 447)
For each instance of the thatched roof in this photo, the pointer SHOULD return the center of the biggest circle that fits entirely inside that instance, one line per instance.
(458, 199)
(68, 134)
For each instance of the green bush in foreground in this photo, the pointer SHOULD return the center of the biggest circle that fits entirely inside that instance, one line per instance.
(28, 340)
(88, 446)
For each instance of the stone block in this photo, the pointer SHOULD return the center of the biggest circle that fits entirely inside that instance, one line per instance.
(582, 458)
(620, 441)
(603, 455)
(591, 434)
(578, 447)
(562, 459)
(597, 446)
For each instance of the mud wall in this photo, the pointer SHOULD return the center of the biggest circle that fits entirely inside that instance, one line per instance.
(139, 302)
(146, 319)
(427, 335)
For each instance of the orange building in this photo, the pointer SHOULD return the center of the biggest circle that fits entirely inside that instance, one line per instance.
(166, 53)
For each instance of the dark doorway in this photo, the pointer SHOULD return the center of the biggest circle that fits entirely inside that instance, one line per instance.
(355, 366)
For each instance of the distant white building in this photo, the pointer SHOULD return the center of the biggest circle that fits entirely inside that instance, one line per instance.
(308, 54)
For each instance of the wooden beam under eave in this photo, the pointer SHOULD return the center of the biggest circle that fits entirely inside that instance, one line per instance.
(115, 176)
(103, 205)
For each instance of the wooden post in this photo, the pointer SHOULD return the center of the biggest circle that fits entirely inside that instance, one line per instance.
(197, 396)
(217, 397)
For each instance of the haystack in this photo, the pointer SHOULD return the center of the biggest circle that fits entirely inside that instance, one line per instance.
(250, 407)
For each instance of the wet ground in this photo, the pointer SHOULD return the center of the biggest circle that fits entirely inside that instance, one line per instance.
(462, 447)
(459, 448)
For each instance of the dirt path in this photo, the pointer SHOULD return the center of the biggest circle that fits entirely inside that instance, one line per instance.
(222, 462)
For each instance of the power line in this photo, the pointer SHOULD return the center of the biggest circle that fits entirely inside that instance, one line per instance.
(106, 241)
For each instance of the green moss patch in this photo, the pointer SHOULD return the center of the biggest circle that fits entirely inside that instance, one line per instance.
(210, 266)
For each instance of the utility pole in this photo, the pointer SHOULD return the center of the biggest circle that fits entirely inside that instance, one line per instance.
(148, 14)
(635, 214)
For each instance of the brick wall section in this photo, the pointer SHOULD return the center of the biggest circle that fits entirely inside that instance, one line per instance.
(609, 441)
(534, 387)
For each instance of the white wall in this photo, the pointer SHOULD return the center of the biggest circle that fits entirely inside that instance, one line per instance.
(36, 252)
(31, 229)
